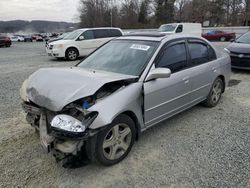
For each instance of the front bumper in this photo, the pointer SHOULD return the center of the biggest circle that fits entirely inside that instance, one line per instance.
(59, 142)
(240, 61)
(55, 52)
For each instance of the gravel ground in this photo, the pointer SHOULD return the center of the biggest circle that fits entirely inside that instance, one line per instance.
(201, 147)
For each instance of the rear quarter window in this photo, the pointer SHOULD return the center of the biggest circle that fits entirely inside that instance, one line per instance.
(115, 33)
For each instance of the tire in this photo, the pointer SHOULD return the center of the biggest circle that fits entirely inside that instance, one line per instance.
(214, 94)
(222, 39)
(115, 142)
(72, 54)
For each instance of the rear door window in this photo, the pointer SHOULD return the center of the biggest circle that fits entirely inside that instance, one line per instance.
(199, 53)
(115, 33)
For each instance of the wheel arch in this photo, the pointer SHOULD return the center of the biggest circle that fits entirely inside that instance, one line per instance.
(224, 82)
(135, 120)
(73, 47)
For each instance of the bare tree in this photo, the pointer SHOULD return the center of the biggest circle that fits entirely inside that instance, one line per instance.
(144, 11)
(94, 13)
(148, 13)
(180, 5)
(246, 5)
(165, 11)
(129, 13)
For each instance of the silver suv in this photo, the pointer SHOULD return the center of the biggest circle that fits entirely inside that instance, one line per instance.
(99, 107)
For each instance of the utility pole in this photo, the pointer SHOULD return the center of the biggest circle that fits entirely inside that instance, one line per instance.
(111, 17)
(111, 13)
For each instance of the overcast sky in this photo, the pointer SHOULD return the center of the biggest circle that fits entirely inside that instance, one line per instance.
(54, 10)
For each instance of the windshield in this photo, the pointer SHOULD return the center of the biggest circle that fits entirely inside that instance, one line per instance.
(121, 56)
(167, 28)
(244, 38)
(63, 35)
(73, 35)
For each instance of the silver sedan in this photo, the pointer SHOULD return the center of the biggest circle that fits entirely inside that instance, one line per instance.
(97, 109)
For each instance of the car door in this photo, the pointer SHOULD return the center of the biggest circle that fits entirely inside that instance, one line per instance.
(86, 45)
(203, 67)
(168, 96)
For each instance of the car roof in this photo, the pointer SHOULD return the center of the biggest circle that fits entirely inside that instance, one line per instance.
(97, 28)
(157, 36)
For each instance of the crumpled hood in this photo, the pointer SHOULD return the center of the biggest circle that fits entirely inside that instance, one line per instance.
(239, 48)
(54, 88)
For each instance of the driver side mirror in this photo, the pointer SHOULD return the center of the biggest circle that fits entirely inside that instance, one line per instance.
(158, 73)
(81, 38)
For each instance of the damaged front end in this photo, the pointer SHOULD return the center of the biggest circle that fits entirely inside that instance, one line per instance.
(67, 133)
(63, 133)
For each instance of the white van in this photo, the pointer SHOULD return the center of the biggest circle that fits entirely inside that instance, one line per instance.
(81, 42)
(183, 28)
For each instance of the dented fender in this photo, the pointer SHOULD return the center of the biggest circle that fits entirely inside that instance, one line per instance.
(128, 98)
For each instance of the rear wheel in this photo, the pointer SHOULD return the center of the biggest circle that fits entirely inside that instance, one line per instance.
(215, 93)
(222, 39)
(72, 54)
(115, 142)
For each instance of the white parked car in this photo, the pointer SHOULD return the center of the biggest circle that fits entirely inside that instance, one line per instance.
(81, 42)
(17, 39)
(183, 28)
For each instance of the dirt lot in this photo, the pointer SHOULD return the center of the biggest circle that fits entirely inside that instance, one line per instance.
(199, 148)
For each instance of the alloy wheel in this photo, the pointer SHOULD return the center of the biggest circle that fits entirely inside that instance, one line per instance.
(216, 92)
(72, 54)
(117, 141)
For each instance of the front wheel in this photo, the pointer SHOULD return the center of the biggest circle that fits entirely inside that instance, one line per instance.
(115, 142)
(214, 94)
(72, 54)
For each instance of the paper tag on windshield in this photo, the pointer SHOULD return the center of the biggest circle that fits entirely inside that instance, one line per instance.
(140, 47)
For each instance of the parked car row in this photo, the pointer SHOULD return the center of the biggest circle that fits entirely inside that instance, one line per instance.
(17, 38)
(32, 37)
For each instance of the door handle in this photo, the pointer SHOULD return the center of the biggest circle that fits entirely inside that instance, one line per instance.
(214, 69)
(186, 80)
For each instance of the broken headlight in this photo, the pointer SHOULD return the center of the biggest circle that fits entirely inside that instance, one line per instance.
(68, 123)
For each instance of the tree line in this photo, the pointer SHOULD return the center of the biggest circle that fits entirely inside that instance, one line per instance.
(152, 13)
